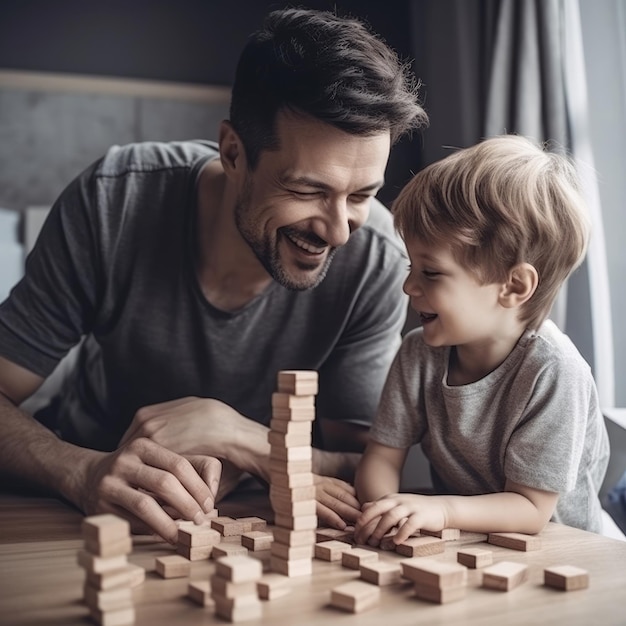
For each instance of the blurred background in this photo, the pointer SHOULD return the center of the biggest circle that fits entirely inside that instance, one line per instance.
(78, 76)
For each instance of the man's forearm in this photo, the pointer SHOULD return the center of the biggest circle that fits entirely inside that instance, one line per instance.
(336, 464)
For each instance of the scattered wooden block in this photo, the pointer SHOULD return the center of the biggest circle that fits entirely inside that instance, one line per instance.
(421, 546)
(328, 534)
(198, 536)
(474, 558)
(98, 565)
(121, 617)
(303, 522)
(228, 589)
(172, 566)
(294, 537)
(199, 591)
(250, 524)
(238, 609)
(381, 573)
(200, 553)
(504, 576)
(566, 577)
(447, 534)
(227, 526)
(440, 595)
(515, 541)
(331, 550)
(105, 528)
(272, 586)
(228, 549)
(257, 540)
(357, 556)
(238, 569)
(109, 599)
(424, 571)
(291, 568)
(355, 596)
(298, 382)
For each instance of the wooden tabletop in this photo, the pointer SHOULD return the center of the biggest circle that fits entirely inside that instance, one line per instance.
(41, 582)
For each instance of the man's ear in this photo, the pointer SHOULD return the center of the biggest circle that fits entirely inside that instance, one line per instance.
(520, 286)
(232, 152)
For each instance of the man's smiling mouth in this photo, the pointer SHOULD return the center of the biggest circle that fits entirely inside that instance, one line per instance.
(305, 245)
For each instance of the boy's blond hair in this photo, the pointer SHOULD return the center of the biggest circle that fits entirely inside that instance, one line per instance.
(501, 202)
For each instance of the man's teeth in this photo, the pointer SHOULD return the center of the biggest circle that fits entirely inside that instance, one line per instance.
(306, 245)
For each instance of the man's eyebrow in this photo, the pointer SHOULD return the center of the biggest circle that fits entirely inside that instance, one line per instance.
(317, 184)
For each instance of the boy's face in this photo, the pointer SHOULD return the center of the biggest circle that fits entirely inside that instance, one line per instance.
(304, 199)
(454, 308)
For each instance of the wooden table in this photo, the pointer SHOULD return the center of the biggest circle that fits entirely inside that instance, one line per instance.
(41, 582)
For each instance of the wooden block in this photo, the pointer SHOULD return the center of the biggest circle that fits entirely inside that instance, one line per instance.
(381, 573)
(295, 494)
(288, 440)
(281, 466)
(515, 541)
(566, 577)
(104, 528)
(297, 414)
(440, 595)
(111, 579)
(108, 549)
(294, 537)
(172, 566)
(424, 571)
(109, 599)
(355, 596)
(331, 550)
(199, 591)
(227, 526)
(291, 568)
(235, 610)
(421, 546)
(197, 536)
(291, 552)
(288, 426)
(252, 523)
(298, 382)
(99, 564)
(504, 576)
(357, 556)
(291, 453)
(303, 522)
(238, 569)
(228, 549)
(257, 540)
(328, 534)
(229, 589)
(121, 617)
(474, 558)
(280, 478)
(293, 509)
(200, 553)
(272, 586)
(291, 401)
(447, 534)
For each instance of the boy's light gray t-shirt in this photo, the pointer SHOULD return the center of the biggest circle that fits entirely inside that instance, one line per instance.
(116, 262)
(534, 420)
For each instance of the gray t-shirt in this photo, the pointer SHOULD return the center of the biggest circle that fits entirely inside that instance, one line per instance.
(115, 263)
(534, 420)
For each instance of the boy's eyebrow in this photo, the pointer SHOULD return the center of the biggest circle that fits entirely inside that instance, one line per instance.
(317, 184)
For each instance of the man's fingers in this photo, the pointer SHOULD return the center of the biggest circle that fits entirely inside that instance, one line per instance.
(210, 469)
(327, 517)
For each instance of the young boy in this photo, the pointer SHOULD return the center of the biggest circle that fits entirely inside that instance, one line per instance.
(503, 404)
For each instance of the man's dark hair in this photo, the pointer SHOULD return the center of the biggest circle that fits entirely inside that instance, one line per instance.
(332, 68)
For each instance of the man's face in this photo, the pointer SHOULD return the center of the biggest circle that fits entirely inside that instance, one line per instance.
(304, 199)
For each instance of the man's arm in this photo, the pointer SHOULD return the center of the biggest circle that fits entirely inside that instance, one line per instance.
(129, 482)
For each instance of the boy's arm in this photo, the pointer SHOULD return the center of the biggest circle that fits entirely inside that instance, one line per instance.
(379, 470)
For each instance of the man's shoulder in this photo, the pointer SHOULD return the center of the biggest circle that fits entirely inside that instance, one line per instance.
(151, 156)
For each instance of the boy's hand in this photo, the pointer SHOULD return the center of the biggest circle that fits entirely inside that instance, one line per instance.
(408, 511)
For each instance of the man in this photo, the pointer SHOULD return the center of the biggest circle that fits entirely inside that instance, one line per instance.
(195, 275)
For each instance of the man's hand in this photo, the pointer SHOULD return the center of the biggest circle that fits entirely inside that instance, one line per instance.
(138, 479)
(336, 502)
(408, 511)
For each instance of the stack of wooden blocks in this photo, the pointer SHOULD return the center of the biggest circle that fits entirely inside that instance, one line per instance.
(109, 580)
(234, 588)
(436, 581)
(292, 490)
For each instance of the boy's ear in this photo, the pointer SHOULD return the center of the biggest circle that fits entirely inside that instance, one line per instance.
(232, 152)
(521, 285)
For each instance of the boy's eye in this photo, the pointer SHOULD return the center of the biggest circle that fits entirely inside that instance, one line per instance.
(430, 274)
